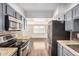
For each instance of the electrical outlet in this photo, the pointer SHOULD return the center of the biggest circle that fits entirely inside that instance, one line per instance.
(78, 35)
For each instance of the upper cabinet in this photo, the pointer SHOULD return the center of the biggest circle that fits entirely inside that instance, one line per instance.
(0, 8)
(10, 10)
(6, 9)
(76, 12)
(4, 5)
(72, 19)
(1, 18)
(11, 23)
(18, 16)
(68, 15)
(68, 21)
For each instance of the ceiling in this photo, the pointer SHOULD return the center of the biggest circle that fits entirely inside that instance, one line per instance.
(43, 10)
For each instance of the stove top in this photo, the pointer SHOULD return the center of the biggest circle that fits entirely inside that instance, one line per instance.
(13, 43)
(18, 44)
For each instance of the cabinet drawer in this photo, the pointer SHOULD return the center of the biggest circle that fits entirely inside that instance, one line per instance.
(66, 52)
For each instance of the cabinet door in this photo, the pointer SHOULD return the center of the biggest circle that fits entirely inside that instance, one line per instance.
(77, 11)
(59, 50)
(67, 25)
(4, 8)
(67, 52)
(74, 12)
(1, 18)
(0, 7)
(68, 21)
(18, 16)
(1, 22)
(69, 15)
(10, 11)
(76, 25)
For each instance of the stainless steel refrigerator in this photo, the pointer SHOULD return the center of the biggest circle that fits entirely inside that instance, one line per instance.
(56, 31)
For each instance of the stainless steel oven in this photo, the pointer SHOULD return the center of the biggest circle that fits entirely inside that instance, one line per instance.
(11, 23)
(26, 49)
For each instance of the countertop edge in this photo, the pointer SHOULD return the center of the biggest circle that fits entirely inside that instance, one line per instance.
(70, 49)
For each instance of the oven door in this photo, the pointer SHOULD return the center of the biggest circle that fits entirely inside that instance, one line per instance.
(24, 51)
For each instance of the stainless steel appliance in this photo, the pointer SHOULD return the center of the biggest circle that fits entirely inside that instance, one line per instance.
(25, 50)
(12, 23)
(56, 31)
(23, 46)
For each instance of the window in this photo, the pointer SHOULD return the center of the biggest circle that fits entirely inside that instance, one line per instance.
(39, 29)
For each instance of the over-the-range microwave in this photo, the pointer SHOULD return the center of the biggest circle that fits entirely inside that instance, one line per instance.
(11, 23)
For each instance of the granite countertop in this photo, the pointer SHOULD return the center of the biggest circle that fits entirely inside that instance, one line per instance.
(7, 51)
(23, 37)
(65, 44)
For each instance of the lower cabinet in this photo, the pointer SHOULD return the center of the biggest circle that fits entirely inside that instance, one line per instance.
(60, 52)
(63, 51)
(67, 52)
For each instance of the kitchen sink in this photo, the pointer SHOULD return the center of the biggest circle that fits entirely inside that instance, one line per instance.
(74, 47)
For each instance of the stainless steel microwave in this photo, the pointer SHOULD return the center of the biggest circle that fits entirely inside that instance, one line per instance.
(11, 23)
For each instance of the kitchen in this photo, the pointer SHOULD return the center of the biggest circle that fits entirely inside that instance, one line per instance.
(39, 29)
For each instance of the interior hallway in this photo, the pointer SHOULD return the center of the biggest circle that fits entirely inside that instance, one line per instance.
(40, 47)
